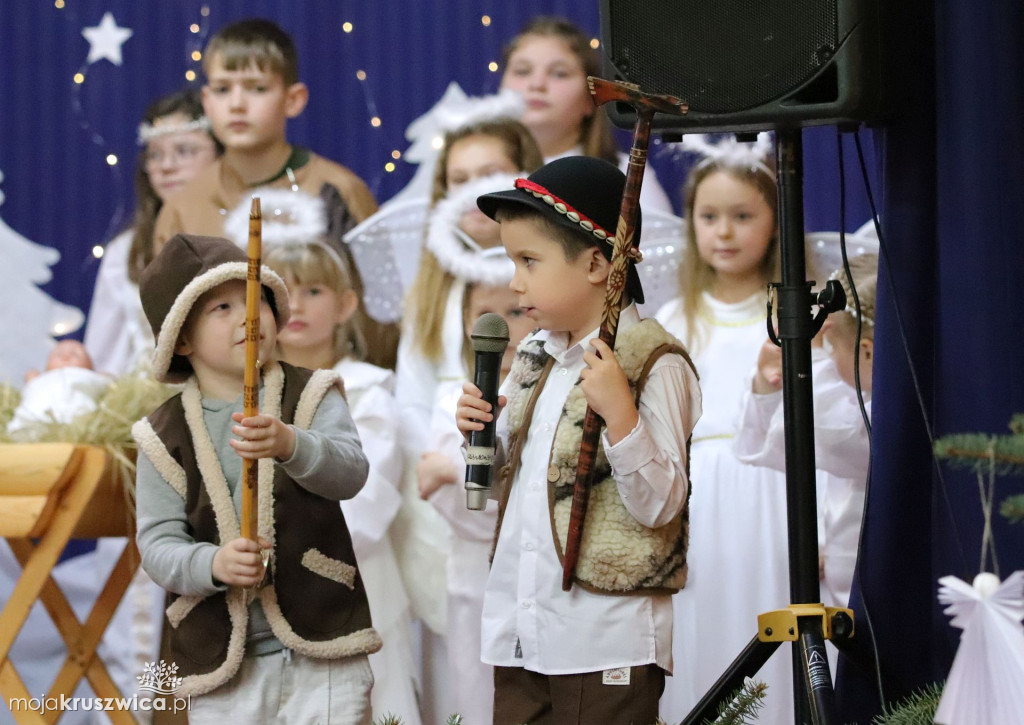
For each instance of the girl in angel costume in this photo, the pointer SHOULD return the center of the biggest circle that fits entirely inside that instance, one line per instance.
(324, 332)
(426, 242)
(841, 438)
(441, 472)
(738, 540)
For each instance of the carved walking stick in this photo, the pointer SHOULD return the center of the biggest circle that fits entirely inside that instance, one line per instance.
(624, 252)
(251, 392)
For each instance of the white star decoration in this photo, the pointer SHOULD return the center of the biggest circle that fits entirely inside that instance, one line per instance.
(106, 39)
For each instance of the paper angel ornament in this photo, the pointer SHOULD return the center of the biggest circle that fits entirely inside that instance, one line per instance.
(986, 682)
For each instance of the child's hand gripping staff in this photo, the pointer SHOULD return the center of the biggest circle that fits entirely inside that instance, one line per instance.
(624, 253)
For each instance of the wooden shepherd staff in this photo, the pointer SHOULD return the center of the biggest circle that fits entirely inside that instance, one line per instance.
(251, 391)
(624, 252)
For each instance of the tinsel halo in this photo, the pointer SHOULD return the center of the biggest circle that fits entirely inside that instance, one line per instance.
(456, 252)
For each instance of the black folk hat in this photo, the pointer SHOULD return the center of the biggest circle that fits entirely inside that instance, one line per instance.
(581, 193)
(187, 267)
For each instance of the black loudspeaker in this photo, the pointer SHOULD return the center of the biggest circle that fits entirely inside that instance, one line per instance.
(746, 65)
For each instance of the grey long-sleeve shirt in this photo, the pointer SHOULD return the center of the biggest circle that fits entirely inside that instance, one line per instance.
(328, 460)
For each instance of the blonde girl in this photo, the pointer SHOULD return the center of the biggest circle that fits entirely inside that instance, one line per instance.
(431, 345)
(323, 332)
(738, 548)
(431, 352)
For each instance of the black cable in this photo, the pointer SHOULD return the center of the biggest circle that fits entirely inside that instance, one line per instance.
(910, 361)
(901, 327)
(863, 409)
(853, 289)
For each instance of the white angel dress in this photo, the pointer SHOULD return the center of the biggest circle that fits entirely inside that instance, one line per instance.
(985, 685)
(422, 536)
(738, 563)
(369, 516)
(118, 336)
(841, 459)
(468, 566)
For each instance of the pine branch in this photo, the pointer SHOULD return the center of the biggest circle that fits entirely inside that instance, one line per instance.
(917, 709)
(743, 705)
(1013, 508)
(972, 451)
(388, 719)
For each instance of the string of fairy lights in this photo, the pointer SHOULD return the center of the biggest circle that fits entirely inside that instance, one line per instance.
(105, 40)
(374, 117)
(110, 36)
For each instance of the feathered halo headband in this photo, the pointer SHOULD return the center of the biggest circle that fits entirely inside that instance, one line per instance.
(460, 113)
(730, 152)
(288, 217)
(453, 111)
(455, 250)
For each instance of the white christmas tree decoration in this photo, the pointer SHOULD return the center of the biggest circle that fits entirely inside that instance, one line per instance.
(29, 318)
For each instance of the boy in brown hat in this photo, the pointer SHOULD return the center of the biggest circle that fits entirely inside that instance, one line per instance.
(297, 651)
(598, 653)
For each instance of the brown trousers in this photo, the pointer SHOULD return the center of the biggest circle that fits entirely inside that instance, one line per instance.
(522, 697)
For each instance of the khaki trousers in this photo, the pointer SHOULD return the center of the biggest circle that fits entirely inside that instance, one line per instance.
(287, 687)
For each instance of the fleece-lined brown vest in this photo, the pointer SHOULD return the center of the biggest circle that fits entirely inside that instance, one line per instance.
(618, 554)
(314, 598)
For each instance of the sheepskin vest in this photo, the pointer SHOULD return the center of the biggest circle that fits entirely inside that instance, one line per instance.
(313, 596)
(618, 554)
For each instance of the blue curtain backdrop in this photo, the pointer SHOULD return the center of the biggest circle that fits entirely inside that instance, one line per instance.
(947, 169)
(60, 190)
(953, 171)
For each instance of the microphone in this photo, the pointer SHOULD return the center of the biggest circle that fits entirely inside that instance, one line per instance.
(490, 339)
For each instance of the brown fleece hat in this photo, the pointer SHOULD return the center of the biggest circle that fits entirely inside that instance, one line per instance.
(188, 267)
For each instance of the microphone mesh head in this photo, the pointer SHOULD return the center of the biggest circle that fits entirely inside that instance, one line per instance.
(490, 333)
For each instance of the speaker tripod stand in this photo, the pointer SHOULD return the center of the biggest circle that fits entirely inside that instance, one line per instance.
(805, 622)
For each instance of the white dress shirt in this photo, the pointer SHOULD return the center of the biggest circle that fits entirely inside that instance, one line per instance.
(528, 621)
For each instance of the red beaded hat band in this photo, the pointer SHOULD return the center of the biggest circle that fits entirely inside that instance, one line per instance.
(562, 207)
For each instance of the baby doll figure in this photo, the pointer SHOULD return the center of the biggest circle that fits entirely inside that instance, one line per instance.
(67, 388)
